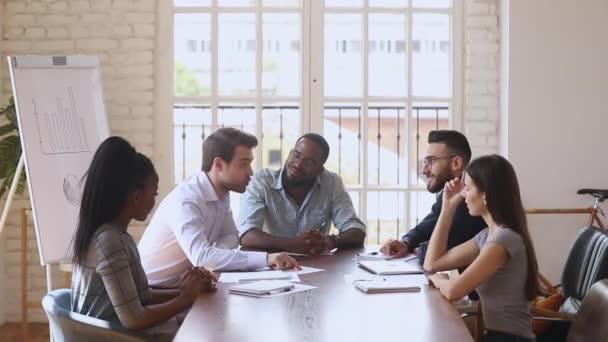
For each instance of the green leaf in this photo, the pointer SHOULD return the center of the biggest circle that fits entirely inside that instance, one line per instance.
(7, 180)
(10, 152)
(3, 188)
(8, 128)
(11, 100)
(21, 184)
(11, 115)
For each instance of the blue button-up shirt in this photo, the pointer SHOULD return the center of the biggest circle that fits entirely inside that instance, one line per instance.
(265, 205)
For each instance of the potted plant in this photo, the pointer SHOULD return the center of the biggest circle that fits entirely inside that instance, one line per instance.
(10, 150)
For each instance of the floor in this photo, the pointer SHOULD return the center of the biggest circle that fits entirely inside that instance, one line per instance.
(36, 332)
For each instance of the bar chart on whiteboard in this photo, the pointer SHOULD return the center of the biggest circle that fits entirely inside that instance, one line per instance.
(61, 127)
(62, 120)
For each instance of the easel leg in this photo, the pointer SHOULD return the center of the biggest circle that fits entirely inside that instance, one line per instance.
(11, 193)
(24, 306)
(49, 286)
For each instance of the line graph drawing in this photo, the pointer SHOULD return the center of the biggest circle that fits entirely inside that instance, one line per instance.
(61, 127)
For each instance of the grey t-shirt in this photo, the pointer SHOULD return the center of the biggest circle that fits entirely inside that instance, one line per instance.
(503, 297)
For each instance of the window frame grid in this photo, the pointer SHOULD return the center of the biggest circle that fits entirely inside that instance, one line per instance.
(312, 100)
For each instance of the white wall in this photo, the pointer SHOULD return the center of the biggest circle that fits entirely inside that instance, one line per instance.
(557, 87)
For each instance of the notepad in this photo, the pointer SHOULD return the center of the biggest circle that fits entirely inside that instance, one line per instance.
(389, 267)
(374, 256)
(382, 256)
(262, 288)
(379, 286)
(241, 277)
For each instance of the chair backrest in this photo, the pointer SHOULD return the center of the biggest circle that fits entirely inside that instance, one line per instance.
(70, 326)
(589, 324)
(587, 263)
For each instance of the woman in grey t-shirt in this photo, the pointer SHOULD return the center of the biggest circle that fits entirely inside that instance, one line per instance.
(502, 263)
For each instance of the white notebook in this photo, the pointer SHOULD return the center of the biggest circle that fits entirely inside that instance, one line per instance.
(390, 267)
(379, 286)
(241, 277)
(382, 256)
(374, 256)
(262, 288)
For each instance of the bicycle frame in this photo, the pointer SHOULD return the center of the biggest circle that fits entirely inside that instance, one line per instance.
(593, 213)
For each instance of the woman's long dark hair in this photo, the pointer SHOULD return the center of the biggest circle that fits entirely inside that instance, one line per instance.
(117, 168)
(495, 176)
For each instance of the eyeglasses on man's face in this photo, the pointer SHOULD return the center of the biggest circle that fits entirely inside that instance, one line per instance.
(430, 160)
(307, 162)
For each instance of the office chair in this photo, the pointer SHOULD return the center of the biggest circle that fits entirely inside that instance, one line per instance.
(70, 326)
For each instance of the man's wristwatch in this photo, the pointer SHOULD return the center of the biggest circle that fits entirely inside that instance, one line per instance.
(336, 239)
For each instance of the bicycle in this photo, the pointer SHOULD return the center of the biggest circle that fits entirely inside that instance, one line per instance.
(600, 195)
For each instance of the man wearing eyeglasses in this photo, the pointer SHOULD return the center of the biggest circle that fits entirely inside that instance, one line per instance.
(448, 154)
(292, 209)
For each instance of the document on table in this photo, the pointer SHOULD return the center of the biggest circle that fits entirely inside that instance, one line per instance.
(413, 279)
(304, 270)
(382, 256)
(269, 288)
(267, 274)
(240, 277)
(390, 267)
(386, 286)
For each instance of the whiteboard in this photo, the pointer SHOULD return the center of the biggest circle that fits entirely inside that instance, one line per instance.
(62, 121)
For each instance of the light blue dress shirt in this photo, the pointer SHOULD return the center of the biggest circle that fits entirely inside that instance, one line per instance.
(265, 205)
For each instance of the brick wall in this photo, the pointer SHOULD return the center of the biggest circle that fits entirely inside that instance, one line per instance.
(482, 56)
(2, 270)
(122, 33)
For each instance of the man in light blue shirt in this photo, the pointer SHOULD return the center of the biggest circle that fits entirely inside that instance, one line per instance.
(292, 209)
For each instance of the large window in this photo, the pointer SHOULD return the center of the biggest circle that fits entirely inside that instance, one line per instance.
(373, 76)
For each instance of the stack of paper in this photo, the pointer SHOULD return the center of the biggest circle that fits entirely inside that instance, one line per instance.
(390, 267)
(262, 288)
(382, 256)
(269, 288)
(266, 274)
(241, 277)
(378, 286)
(413, 279)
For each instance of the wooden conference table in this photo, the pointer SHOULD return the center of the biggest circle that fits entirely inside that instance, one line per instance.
(335, 311)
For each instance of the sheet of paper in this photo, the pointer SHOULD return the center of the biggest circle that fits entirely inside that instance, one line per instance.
(236, 277)
(414, 279)
(381, 256)
(304, 270)
(386, 286)
(308, 255)
(390, 267)
(297, 288)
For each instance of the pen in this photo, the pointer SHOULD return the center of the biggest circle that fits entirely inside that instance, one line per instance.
(376, 279)
(269, 293)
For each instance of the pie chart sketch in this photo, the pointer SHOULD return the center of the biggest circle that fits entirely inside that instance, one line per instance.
(71, 189)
